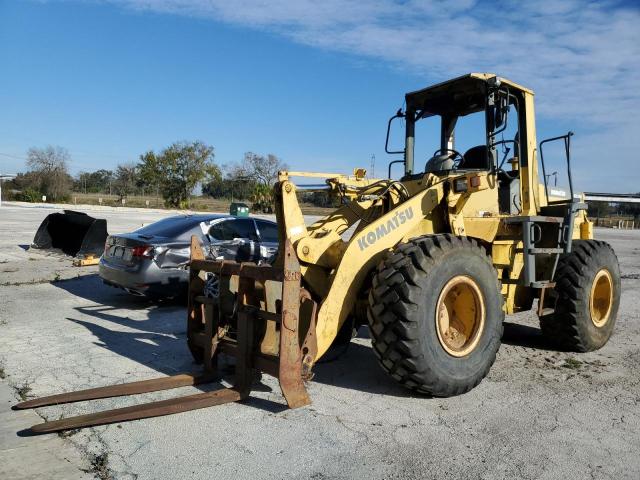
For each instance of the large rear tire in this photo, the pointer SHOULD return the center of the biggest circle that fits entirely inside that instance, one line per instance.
(435, 314)
(586, 297)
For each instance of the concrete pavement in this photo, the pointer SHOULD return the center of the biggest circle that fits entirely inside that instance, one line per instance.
(539, 414)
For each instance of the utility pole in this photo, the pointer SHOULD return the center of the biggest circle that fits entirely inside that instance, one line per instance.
(373, 165)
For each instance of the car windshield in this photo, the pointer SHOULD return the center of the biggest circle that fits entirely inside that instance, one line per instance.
(169, 227)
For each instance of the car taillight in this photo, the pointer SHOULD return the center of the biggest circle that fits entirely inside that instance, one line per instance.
(143, 251)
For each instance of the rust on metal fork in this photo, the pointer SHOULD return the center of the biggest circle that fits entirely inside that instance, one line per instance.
(290, 372)
(133, 388)
(145, 410)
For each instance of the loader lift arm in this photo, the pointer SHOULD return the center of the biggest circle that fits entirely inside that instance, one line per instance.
(352, 260)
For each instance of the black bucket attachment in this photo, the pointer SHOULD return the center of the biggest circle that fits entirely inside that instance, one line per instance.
(75, 233)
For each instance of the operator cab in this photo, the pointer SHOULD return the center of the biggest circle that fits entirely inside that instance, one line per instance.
(471, 123)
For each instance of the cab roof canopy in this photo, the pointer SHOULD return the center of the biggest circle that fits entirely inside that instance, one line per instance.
(457, 97)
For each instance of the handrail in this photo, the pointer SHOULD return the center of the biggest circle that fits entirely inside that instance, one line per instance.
(567, 149)
(398, 114)
(391, 163)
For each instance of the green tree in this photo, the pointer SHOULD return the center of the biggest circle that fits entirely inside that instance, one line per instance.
(232, 186)
(94, 182)
(178, 169)
(125, 179)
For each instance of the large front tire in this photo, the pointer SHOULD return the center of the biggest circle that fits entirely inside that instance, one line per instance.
(435, 314)
(586, 297)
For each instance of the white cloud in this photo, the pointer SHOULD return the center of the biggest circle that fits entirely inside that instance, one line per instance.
(581, 57)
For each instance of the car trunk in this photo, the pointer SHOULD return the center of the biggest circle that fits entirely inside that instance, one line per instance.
(120, 248)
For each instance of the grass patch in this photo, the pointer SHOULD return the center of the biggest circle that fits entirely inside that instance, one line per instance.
(23, 391)
(3, 375)
(572, 363)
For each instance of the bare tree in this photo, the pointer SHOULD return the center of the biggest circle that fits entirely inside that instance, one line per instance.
(50, 165)
(263, 170)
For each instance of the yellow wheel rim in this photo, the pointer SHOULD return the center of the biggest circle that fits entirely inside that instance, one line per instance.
(601, 298)
(460, 316)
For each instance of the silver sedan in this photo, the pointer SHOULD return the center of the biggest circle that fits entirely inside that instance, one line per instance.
(153, 260)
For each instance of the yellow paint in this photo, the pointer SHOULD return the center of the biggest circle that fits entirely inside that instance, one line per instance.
(460, 316)
(529, 175)
(586, 230)
(601, 298)
(362, 253)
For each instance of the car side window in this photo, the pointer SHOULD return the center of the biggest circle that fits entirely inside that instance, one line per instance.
(234, 228)
(219, 231)
(244, 228)
(268, 231)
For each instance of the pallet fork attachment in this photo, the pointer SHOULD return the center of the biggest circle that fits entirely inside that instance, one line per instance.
(262, 332)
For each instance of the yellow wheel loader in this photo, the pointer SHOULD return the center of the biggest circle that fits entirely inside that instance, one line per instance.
(432, 262)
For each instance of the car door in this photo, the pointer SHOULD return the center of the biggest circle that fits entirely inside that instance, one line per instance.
(234, 239)
(268, 235)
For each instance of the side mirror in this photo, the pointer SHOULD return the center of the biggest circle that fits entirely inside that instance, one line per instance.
(501, 111)
(398, 114)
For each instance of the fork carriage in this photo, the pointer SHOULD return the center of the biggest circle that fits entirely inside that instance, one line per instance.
(260, 328)
(255, 319)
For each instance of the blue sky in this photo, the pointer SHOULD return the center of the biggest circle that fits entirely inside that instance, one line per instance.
(312, 82)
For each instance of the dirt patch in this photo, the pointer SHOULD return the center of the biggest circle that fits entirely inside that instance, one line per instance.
(38, 281)
(631, 276)
(100, 466)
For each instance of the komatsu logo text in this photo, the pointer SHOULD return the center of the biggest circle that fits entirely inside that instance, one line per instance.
(373, 236)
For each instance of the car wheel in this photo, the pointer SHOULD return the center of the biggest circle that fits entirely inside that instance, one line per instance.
(211, 286)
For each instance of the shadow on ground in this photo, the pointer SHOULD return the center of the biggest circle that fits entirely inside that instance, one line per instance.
(526, 336)
(159, 340)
